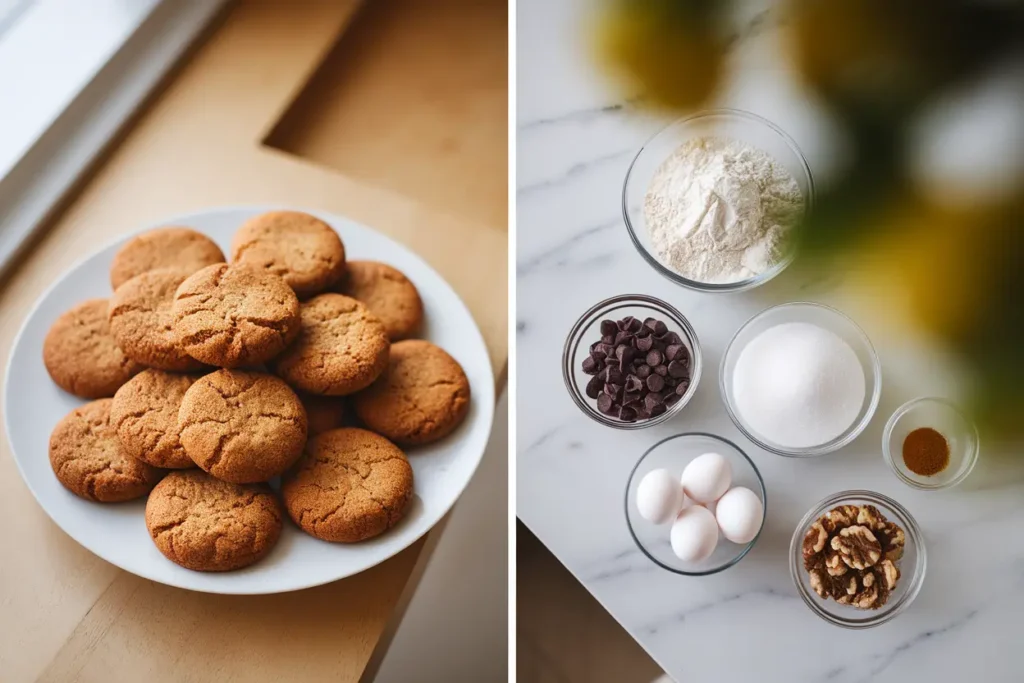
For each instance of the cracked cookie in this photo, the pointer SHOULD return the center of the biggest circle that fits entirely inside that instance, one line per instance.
(420, 398)
(296, 246)
(342, 348)
(389, 295)
(145, 414)
(350, 485)
(81, 355)
(88, 459)
(178, 248)
(234, 316)
(208, 525)
(141, 321)
(242, 427)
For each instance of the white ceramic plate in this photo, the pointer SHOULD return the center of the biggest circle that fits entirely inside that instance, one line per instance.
(117, 533)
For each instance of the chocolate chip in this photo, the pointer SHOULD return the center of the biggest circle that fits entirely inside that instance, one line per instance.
(608, 339)
(643, 332)
(658, 410)
(660, 327)
(625, 354)
(655, 383)
(682, 387)
(608, 328)
(612, 375)
(672, 338)
(672, 350)
(624, 337)
(633, 383)
(677, 369)
(671, 399)
(624, 323)
(642, 414)
(628, 398)
(634, 325)
(645, 344)
(627, 414)
(643, 371)
(660, 370)
(605, 403)
(594, 387)
(654, 357)
(615, 391)
(650, 323)
(670, 381)
(591, 365)
(652, 401)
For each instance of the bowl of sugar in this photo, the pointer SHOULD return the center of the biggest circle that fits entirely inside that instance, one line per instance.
(801, 379)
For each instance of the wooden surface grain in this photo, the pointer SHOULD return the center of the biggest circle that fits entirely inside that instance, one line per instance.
(66, 615)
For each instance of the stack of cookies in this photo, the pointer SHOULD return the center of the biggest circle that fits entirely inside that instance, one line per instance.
(210, 380)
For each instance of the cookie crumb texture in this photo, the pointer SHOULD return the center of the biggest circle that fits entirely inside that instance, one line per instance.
(81, 355)
(233, 316)
(422, 397)
(342, 348)
(88, 459)
(242, 427)
(142, 322)
(145, 414)
(389, 295)
(208, 525)
(183, 249)
(300, 248)
(351, 485)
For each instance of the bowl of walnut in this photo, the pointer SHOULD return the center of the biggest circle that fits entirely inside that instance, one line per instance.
(858, 559)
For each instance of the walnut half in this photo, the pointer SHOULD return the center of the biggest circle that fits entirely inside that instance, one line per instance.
(857, 546)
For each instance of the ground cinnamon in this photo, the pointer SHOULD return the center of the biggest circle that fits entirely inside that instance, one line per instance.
(925, 452)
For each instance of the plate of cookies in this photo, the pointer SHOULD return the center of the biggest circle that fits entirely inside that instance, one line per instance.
(249, 400)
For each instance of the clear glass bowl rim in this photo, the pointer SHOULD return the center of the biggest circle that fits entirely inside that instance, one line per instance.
(612, 303)
(840, 441)
(906, 408)
(709, 287)
(745, 549)
(889, 611)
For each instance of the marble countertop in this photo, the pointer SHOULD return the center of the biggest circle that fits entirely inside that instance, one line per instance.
(575, 141)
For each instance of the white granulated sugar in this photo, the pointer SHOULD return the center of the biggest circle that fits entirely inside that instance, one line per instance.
(718, 210)
(798, 385)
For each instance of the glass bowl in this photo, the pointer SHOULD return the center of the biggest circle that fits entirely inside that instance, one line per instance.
(830, 319)
(731, 123)
(673, 454)
(943, 417)
(586, 331)
(912, 565)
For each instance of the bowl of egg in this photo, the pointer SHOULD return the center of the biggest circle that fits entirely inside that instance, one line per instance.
(695, 504)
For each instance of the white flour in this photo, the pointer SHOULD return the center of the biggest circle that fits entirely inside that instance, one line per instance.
(718, 210)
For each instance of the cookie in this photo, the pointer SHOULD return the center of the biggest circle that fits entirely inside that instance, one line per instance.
(242, 427)
(342, 348)
(421, 397)
(88, 459)
(145, 414)
(208, 525)
(387, 293)
(178, 248)
(350, 485)
(300, 248)
(81, 355)
(325, 413)
(142, 322)
(234, 316)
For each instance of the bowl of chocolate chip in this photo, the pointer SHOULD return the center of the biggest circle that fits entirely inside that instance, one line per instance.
(631, 361)
(858, 559)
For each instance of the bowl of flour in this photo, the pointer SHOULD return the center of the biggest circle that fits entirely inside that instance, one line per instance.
(711, 201)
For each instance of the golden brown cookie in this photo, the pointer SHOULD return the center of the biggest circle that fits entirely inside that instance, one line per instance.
(325, 413)
(178, 248)
(234, 316)
(142, 322)
(88, 459)
(145, 414)
(421, 397)
(300, 248)
(387, 293)
(242, 427)
(208, 525)
(341, 349)
(350, 485)
(81, 356)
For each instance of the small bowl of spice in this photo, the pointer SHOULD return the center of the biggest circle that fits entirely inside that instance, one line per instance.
(857, 559)
(710, 201)
(631, 361)
(930, 444)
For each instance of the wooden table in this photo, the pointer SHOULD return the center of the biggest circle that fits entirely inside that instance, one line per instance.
(66, 615)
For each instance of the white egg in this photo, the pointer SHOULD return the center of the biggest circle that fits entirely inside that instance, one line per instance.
(659, 497)
(694, 534)
(740, 514)
(707, 477)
